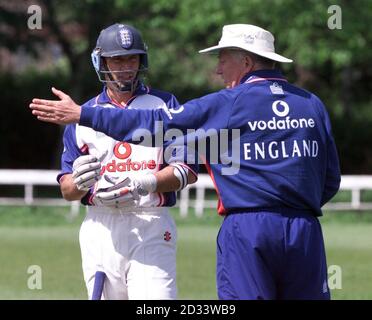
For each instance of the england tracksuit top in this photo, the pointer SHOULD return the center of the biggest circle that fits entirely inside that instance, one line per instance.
(122, 159)
(281, 147)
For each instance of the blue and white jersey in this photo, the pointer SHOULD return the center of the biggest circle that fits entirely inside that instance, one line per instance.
(123, 159)
(285, 153)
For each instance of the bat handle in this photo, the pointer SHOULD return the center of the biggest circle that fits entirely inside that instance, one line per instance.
(99, 281)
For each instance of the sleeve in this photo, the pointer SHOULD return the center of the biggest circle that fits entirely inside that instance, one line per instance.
(184, 156)
(70, 152)
(333, 174)
(173, 103)
(209, 112)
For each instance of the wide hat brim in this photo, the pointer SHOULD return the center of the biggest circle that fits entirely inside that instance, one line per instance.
(266, 54)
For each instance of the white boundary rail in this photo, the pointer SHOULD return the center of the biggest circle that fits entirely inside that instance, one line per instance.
(31, 178)
(353, 183)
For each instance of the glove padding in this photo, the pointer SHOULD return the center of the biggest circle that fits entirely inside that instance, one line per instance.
(124, 194)
(86, 172)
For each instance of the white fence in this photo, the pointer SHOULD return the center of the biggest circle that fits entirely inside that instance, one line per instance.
(353, 183)
(31, 178)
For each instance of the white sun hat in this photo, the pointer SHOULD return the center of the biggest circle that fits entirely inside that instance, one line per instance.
(249, 38)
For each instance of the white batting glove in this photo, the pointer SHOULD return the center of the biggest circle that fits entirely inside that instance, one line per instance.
(86, 171)
(115, 195)
(126, 193)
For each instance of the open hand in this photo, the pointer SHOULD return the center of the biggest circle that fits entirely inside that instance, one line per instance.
(63, 111)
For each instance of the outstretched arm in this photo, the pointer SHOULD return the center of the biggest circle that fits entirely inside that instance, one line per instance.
(208, 112)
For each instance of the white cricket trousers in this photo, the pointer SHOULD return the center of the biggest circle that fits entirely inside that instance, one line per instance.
(137, 252)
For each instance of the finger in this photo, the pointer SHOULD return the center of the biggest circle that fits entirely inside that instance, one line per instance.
(124, 182)
(119, 185)
(117, 201)
(95, 175)
(113, 194)
(87, 168)
(42, 114)
(47, 119)
(105, 196)
(41, 107)
(45, 102)
(60, 94)
(88, 158)
(87, 184)
(109, 179)
(87, 176)
(112, 189)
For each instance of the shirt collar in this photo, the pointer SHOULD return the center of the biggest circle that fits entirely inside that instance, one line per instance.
(104, 97)
(270, 74)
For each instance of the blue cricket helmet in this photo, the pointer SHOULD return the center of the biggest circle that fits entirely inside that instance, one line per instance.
(119, 40)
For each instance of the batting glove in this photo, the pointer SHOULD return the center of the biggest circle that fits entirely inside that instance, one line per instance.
(86, 171)
(126, 193)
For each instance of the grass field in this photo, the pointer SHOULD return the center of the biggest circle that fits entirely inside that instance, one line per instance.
(43, 237)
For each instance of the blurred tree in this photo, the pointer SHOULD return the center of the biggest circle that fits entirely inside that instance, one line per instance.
(334, 64)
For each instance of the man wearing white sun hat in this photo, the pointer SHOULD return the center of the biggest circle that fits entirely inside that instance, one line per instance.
(270, 245)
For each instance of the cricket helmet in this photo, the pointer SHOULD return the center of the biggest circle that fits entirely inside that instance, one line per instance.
(119, 40)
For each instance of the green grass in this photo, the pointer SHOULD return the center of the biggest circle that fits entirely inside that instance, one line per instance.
(44, 237)
(55, 249)
(349, 245)
(38, 216)
(196, 261)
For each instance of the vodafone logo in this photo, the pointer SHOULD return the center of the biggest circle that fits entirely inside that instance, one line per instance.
(281, 109)
(284, 108)
(122, 150)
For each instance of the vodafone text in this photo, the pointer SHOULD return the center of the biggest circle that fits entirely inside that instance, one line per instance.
(128, 165)
(283, 124)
